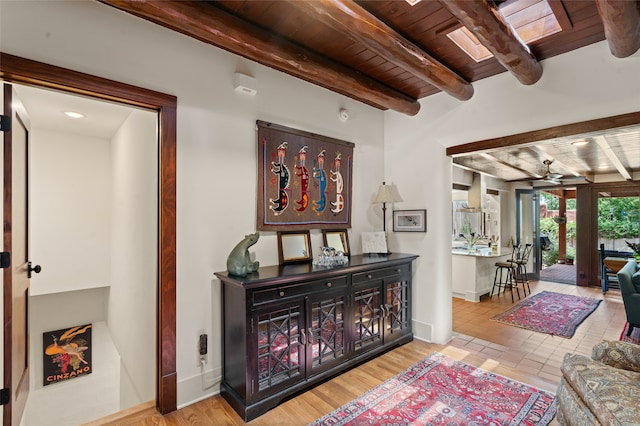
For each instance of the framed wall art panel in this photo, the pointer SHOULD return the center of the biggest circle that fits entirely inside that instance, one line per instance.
(304, 180)
(410, 220)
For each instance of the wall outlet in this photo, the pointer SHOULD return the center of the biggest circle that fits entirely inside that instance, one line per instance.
(202, 345)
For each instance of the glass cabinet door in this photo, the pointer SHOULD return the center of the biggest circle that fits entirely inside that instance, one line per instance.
(281, 339)
(326, 332)
(367, 320)
(396, 305)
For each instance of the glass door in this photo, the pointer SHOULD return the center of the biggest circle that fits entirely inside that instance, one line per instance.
(528, 227)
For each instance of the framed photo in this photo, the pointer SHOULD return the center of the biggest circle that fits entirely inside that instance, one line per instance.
(410, 221)
(304, 180)
(336, 238)
(294, 247)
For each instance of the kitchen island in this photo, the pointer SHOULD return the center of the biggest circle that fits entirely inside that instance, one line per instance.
(473, 271)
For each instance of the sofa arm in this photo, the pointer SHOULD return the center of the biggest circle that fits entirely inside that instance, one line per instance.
(618, 354)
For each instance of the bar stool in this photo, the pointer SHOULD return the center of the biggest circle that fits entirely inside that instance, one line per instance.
(509, 268)
(521, 267)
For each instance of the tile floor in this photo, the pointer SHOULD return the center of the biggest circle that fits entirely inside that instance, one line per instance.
(528, 351)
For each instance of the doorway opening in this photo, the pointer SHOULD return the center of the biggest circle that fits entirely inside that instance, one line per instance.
(20, 70)
(93, 184)
(558, 235)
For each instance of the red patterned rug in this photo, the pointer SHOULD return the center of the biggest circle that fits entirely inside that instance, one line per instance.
(557, 314)
(442, 391)
(635, 334)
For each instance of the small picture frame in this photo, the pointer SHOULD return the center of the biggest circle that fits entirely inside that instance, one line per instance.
(336, 238)
(294, 247)
(410, 220)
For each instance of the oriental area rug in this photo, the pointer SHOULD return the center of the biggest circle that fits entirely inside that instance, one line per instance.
(635, 334)
(442, 391)
(548, 312)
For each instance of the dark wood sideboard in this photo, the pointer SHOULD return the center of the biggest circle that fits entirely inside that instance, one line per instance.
(287, 328)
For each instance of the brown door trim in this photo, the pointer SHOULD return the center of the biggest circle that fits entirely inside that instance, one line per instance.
(28, 72)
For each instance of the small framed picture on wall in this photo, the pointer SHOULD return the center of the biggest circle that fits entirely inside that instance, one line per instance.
(410, 220)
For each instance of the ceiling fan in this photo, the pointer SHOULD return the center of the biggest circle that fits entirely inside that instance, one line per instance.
(550, 177)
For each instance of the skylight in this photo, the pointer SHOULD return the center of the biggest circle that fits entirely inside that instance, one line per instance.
(530, 19)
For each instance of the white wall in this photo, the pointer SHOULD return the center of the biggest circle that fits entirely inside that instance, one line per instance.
(132, 302)
(582, 85)
(216, 170)
(70, 211)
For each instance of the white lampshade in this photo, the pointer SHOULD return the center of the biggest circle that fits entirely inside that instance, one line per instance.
(386, 194)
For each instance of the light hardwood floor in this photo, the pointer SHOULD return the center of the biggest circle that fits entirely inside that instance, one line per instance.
(526, 356)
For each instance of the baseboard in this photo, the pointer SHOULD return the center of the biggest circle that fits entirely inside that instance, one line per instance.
(422, 331)
(136, 409)
(193, 389)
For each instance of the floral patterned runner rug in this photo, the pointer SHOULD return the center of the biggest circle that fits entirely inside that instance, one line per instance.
(635, 334)
(443, 391)
(548, 312)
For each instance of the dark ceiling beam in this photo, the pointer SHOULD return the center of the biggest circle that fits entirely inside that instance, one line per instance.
(621, 20)
(485, 22)
(550, 133)
(347, 17)
(214, 26)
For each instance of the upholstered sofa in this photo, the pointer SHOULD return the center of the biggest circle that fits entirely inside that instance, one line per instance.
(603, 389)
(629, 279)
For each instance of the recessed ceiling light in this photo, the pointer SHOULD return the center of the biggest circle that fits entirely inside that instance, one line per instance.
(602, 166)
(73, 114)
(580, 142)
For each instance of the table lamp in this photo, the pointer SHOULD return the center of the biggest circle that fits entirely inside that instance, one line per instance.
(385, 195)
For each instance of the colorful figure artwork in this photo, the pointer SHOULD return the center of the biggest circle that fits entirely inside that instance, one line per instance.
(280, 169)
(336, 177)
(320, 193)
(303, 174)
(67, 353)
(321, 182)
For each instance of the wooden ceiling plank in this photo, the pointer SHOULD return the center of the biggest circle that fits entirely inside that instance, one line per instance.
(510, 165)
(485, 22)
(606, 148)
(561, 14)
(349, 18)
(621, 20)
(544, 153)
(213, 25)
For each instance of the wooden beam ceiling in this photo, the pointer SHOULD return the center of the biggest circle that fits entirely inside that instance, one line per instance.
(224, 30)
(621, 20)
(485, 22)
(385, 53)
(349, 18)
(550, 133)
(606, 148)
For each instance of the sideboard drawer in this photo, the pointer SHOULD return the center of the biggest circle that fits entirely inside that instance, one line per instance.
(275, 294)
(376, 274)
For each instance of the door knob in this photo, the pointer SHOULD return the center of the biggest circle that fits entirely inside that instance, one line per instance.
(31, 269)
